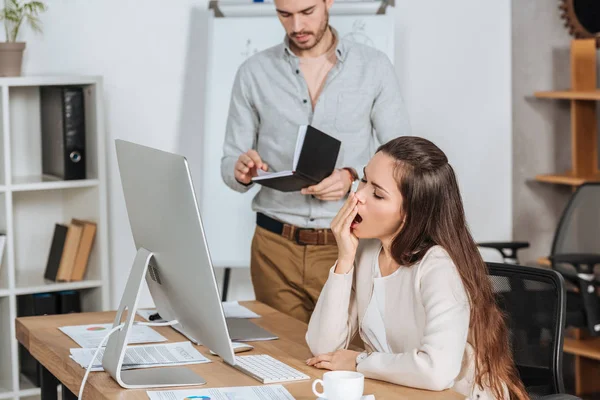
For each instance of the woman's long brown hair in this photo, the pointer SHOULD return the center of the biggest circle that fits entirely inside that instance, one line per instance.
(434, 215)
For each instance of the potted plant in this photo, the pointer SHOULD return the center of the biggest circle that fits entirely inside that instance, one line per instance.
(13, 15)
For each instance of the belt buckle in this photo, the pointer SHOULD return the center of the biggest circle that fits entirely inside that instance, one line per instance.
(297, 237)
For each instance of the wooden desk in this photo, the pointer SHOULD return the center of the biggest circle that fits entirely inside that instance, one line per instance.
(587, 360)
(51, 348)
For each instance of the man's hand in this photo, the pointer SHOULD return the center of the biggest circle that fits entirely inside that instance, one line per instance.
(247, 167)
(341, 360)
(332, 188)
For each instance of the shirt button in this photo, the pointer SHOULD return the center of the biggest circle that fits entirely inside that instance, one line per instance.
(305, 101)
(312, 220)
(297, 71)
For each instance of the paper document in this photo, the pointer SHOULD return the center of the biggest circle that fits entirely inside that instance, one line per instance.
(270, 392)
(297, 150)
(90, 336)
(231, 309)
(146, 356)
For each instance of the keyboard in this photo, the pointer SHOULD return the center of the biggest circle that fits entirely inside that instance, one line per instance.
(266, 369)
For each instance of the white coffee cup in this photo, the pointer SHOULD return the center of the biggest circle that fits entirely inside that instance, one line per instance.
(340, 385)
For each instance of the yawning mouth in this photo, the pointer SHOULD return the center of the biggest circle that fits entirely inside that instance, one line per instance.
(357, 220)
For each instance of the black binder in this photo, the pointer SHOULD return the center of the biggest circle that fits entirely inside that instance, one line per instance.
(314, 160)
(68, 302)
(30, 305)
(63, 132)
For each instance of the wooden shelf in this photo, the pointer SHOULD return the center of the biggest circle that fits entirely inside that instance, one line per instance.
(567, 179)
(584, 123)
(543, 261)
(588, 348)
(569, 95)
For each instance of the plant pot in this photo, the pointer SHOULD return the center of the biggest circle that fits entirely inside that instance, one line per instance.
(11, 58)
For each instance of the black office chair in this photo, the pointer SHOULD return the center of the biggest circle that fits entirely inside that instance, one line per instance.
(568, 238)
(508, 250)
(575, 253)
(533, 300)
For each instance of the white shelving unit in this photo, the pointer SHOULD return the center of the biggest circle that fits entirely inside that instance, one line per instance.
(30, 205)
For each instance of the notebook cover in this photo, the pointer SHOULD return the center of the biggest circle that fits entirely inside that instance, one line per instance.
(316, 162)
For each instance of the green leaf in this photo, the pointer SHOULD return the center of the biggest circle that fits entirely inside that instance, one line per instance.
(34, 7)
(13, 16)
(34, 23)
(14, 13)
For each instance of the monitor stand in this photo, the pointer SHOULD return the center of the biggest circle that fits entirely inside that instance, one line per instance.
(117, 343)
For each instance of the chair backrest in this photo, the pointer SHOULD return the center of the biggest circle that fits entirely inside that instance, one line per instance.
(578, 230)
(533, 300)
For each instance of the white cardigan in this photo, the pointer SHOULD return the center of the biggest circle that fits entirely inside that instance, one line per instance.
(427, 322)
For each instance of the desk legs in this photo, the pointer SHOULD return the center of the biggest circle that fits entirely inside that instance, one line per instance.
(48, 385)
(226, 278)
(67, 394)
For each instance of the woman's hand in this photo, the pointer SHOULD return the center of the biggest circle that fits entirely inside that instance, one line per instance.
(341, 360)
(346, 241)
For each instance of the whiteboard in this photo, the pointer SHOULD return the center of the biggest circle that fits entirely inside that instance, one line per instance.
(228, 219)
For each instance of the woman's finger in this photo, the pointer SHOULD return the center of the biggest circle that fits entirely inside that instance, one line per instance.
(350, 218)
(324, 365)
(338, 220)
(350, 209)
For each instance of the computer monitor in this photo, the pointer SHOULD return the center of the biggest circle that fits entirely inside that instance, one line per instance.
(173, 257)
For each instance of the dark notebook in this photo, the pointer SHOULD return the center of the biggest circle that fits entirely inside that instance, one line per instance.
(314, 160)
(56, 250)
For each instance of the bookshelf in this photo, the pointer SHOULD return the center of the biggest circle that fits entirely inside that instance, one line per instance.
(30, 205)
(583, 96)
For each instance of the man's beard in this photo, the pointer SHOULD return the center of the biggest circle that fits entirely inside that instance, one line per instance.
(318, 37)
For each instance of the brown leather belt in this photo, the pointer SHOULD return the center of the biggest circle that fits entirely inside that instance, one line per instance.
(302, 236)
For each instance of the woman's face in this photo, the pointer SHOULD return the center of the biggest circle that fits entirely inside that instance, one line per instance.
(379, 201)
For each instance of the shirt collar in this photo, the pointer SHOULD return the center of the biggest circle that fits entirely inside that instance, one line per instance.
(340, 48)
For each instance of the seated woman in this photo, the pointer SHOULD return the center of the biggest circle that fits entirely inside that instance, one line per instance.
(410, 281)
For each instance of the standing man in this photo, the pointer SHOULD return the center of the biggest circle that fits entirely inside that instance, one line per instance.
(347, 90)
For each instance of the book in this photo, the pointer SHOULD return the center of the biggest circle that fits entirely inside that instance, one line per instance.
(56, 250)
(67, 259)
(315, 157)
(83, 251)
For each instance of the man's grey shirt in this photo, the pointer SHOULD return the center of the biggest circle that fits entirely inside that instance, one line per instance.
(360, 105)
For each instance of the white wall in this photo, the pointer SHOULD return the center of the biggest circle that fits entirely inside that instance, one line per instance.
(141, 50)
(453, 60)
